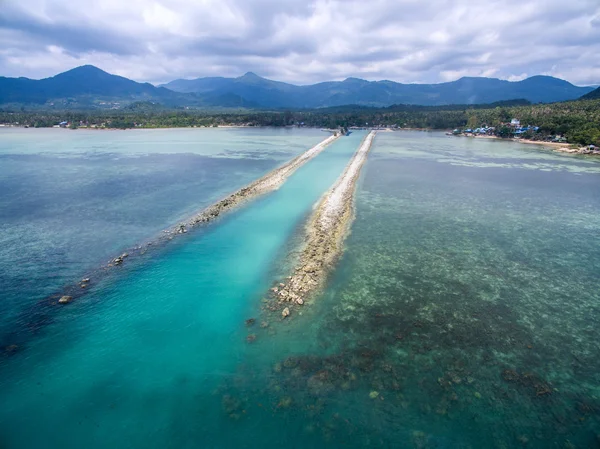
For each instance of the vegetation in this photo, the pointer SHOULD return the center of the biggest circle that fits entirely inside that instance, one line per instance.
(593, 95)
(578, 121)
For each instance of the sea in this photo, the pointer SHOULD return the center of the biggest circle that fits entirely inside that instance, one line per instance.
(463, 312)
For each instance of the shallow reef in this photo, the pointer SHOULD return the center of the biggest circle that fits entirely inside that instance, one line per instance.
(463, 313)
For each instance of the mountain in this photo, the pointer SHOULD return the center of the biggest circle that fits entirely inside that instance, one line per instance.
(273, 94)
(86, 84)
(593, 95)
(90, 87)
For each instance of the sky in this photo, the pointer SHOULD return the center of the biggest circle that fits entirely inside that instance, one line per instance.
(303, 42)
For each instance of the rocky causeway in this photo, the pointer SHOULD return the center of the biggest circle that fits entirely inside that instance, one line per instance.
(325, 234)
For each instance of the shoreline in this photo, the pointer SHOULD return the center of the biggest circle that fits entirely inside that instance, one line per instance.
(35, 315)
(525, 141)
(325, 234)
(141, 128)
(547, 144)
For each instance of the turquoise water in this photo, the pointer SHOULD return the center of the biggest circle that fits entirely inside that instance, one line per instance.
(71, 200)
(465, 311)
(140, 361)
(463, 314)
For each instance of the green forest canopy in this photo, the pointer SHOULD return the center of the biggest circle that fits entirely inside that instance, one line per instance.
(578, 121)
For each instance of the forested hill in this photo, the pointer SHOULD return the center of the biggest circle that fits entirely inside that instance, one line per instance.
(88, 87)
(593, 95)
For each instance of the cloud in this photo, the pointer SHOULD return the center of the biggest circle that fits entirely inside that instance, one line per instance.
(304, 42)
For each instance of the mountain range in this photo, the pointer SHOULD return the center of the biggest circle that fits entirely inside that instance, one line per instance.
(88, 86)
(268, 93)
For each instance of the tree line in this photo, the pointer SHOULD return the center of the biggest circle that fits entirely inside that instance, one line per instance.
(578, 121)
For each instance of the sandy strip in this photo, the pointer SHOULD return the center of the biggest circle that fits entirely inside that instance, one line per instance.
(545, 144)
(525, 141)
(326, 232)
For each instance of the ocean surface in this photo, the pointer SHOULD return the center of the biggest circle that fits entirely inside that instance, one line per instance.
(70, 201)
(462, 314)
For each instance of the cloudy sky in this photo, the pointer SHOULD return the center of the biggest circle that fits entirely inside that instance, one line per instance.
(304, 41)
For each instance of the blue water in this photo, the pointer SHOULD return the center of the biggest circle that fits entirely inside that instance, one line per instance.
(465, 310)
(463, 314)
(140, 361)
(72, 200)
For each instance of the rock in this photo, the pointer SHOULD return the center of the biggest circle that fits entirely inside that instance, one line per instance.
(65, 299)
(285, 313)
(11, 349)
(250, 322)
(374, 394)
(290, 363)
(299, 301)
(319, 384)
(285, 402)
(85, 280)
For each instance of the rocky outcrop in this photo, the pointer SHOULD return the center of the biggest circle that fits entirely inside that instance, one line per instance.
(65, 299)
(583, 150)
(326, 231)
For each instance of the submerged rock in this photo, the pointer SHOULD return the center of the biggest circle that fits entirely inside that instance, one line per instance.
(285, 313)
(285, 402)
(290, 362)
(65, 299)
(374, 394)
(320, 384)
(11, 349)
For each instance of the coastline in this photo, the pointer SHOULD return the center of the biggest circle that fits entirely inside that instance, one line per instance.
(325, 234)
(525, 141)
(546, 144)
